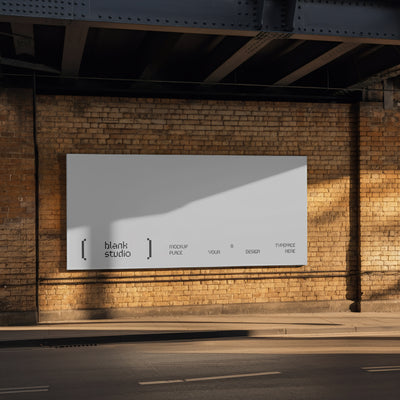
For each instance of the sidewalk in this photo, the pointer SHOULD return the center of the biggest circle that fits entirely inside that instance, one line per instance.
(202, 327)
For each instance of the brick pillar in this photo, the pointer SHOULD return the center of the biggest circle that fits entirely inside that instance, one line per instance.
(17, 208)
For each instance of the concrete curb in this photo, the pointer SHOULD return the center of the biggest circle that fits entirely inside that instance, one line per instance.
(341, 331)
(109, 339)
(273, 333)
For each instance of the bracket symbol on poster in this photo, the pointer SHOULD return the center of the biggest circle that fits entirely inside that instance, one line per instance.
(150, 248)
(83, 249)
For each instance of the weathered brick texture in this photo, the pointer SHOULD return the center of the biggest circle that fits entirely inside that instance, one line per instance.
(324, 132)
(17, 202)
(380, 202)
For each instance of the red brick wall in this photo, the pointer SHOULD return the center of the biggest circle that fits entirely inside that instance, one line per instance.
(17, 202)
(326, 133)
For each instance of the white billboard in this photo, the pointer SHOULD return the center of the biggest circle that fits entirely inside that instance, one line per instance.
(167, 211)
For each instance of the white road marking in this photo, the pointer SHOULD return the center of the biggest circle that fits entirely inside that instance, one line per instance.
(209, 378)
(384, 368)
(27, 389)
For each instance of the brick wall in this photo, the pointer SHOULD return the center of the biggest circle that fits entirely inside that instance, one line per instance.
(326, 133)
(17, 203)
(380, 202)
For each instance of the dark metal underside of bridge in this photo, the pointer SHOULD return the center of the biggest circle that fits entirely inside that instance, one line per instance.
(295, 50)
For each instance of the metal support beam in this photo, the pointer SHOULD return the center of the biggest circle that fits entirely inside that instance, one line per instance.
(74, 46)
(388, 94)
(163, 50)
(352, 18)
(27, 65)
(289, 48)
(317, 63)
(227, 14)
(389, 73)
(23, 38)
(247, 51)
(277, 15)
(204, 14)
(374, 21)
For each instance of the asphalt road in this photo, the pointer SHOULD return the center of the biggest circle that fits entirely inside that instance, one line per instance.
(249, 369)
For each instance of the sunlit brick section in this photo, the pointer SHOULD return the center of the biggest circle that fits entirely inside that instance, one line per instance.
(325, 133)
(380, 202)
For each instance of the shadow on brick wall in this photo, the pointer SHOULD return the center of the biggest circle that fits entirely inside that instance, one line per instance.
(353, 259)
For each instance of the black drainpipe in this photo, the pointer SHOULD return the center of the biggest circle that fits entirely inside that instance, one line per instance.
(358, 294)
(36, 158)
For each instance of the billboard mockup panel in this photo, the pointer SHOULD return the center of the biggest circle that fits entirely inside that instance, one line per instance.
(170, 211)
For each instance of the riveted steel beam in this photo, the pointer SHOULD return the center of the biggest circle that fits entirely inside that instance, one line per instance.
(231, 17)
(330, 20)
(277, 15)
(378, 19)
(239, 15)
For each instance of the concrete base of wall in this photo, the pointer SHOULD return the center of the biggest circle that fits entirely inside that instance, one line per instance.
(257, 308)
(380, 306)
(18, 318)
